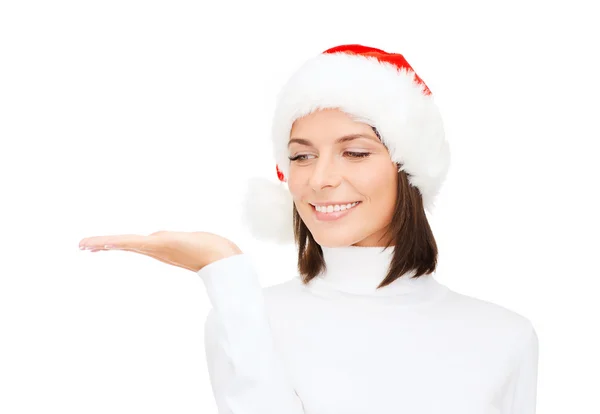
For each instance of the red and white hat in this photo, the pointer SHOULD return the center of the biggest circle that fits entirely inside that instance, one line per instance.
(383, 91)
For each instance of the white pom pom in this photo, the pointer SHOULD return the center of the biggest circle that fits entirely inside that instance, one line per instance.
(268, 211)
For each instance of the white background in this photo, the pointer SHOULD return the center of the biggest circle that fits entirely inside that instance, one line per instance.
(137, 116)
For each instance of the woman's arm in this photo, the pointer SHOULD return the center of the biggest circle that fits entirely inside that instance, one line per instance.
(246, 374)
(522, 392)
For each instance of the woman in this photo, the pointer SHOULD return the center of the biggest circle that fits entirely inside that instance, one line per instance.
(364, 327)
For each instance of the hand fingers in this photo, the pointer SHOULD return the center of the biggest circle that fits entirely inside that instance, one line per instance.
(145, 253)
(120, 242)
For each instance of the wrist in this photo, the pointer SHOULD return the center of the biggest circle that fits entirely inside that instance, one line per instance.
(230, 249)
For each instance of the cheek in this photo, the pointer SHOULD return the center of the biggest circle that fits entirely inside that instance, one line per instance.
(295, 188)
(379, 191)
(298, 192)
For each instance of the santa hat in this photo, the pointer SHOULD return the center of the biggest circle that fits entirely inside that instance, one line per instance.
(383, 91)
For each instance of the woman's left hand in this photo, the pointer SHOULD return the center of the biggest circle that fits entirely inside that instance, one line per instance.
(189, 250)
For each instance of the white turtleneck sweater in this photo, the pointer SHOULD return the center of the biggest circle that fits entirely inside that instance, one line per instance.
(339, 346)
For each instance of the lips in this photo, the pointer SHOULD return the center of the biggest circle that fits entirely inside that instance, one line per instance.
(333, 203)
(333, 215)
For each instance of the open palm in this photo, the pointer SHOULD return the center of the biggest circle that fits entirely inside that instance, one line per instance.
(189, 250)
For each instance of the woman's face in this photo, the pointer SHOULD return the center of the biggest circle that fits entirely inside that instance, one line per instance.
(327, 172)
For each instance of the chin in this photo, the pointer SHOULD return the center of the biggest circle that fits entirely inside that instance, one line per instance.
(335, 240)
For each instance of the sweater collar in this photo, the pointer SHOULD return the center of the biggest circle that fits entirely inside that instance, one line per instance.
(358, 270)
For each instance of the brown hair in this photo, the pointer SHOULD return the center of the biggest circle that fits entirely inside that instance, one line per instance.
(409, 235)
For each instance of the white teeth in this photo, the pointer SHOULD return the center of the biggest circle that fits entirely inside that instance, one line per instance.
(336, 207)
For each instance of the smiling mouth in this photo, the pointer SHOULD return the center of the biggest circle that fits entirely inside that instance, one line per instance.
(324, 211)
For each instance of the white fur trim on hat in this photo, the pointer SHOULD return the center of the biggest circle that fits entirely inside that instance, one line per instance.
(268, 211)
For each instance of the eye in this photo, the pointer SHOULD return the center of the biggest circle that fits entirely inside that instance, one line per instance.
(298, 157)
(302, 157)
(358, 154)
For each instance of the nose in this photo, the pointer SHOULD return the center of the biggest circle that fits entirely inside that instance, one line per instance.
(325, 173)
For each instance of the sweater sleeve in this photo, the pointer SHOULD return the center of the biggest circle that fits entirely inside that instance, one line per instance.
(521, 395)
(246, 375)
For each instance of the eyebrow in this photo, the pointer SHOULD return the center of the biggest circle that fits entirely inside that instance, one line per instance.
(340, 140)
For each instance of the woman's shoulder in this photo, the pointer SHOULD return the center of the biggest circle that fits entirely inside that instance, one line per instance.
(486, 313)
(288, 289)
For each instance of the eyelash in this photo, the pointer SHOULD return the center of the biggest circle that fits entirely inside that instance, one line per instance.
(354, 155)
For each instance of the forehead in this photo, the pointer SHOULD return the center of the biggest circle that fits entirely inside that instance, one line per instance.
(331, 126)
